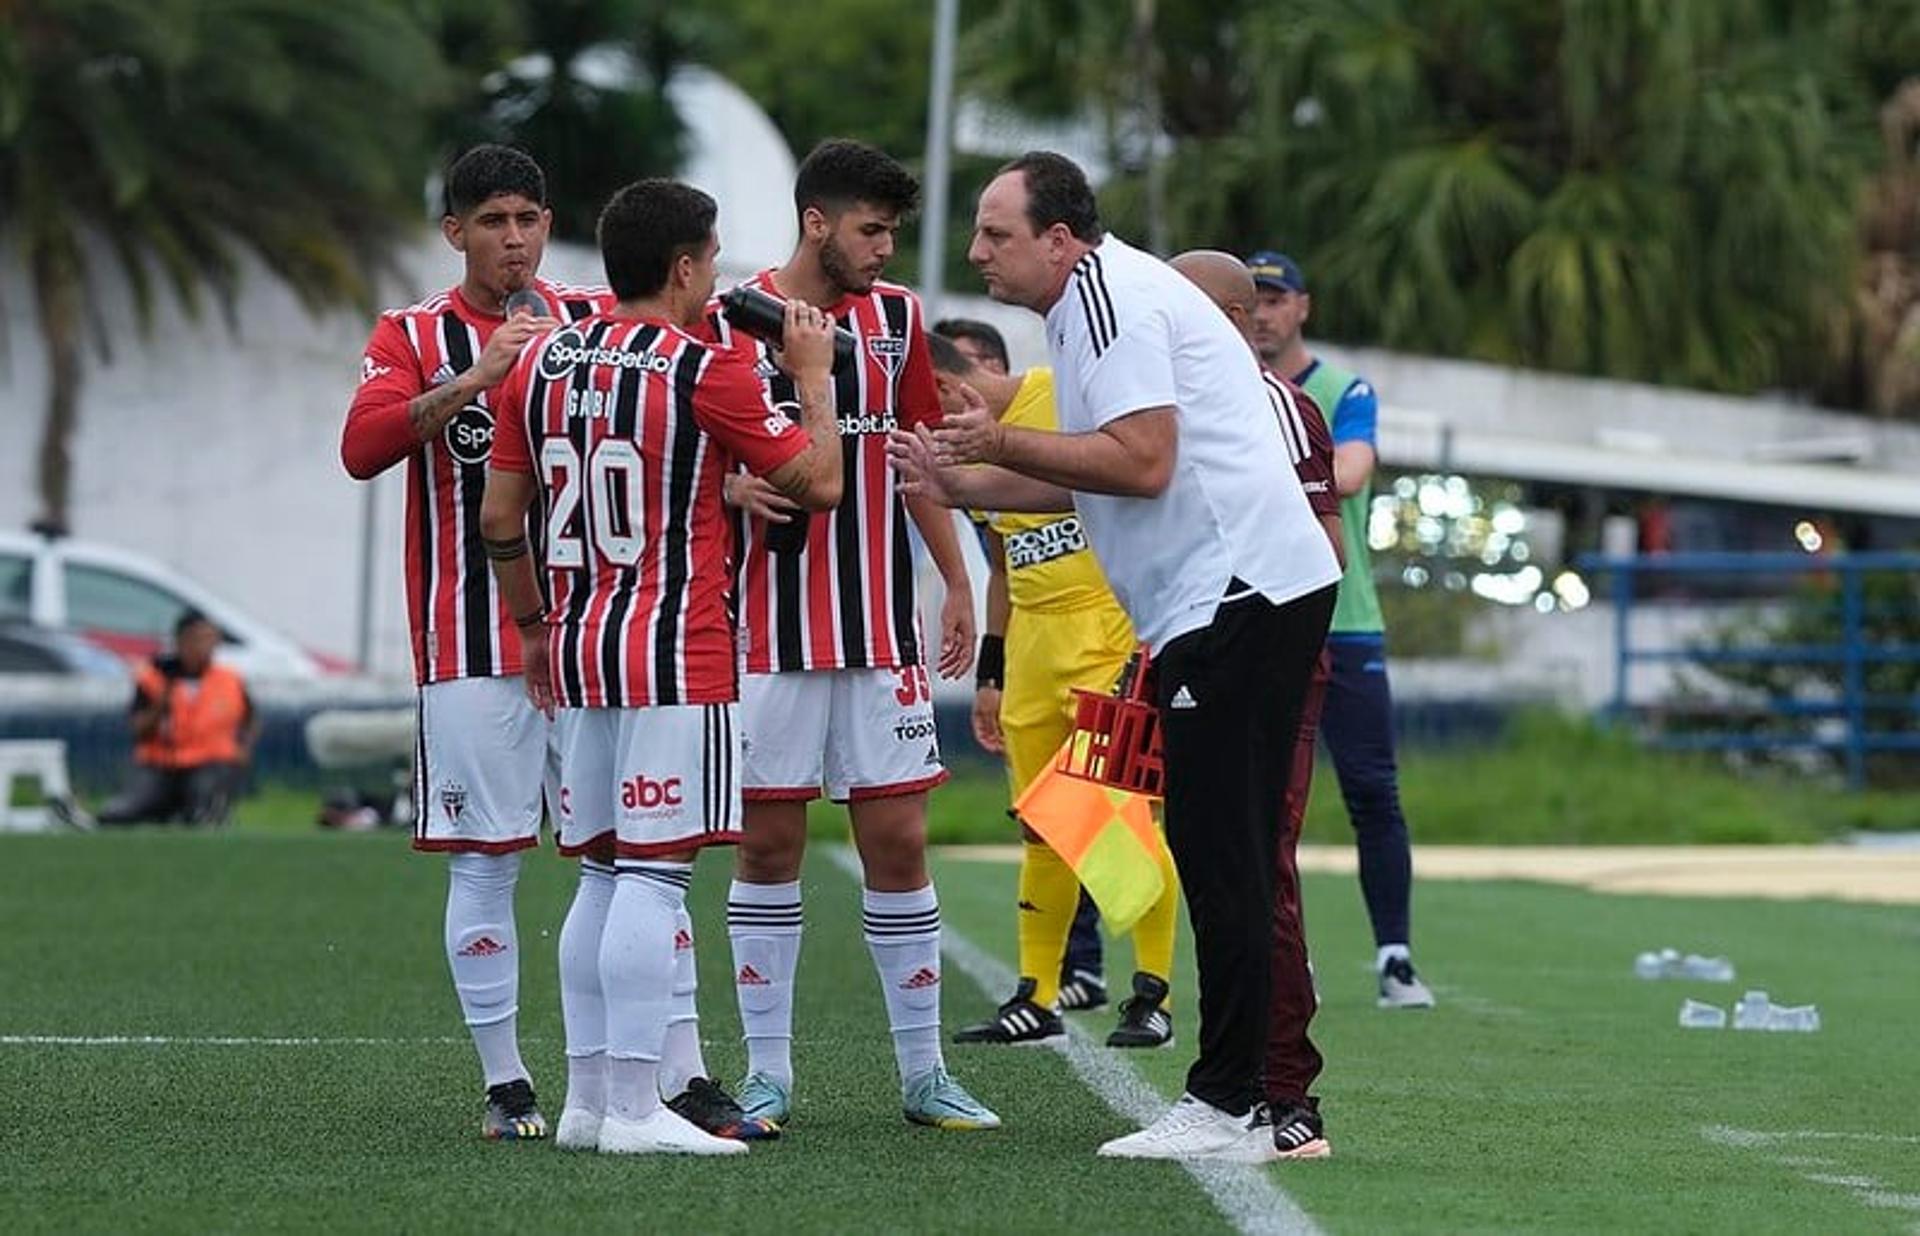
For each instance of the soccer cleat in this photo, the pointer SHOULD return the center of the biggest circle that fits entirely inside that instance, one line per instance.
(766, 1100)
(662, 1132)
(1081, 991)
(936, 1100)
(1193, 1129)
(708, 1106)
(1401, 988)
(1144, 1020)
(1019, 1021)
(512, 1115)
(579, 1129)
(1296, 1131)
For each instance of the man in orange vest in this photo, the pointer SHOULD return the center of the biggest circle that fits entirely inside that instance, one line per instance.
(193, 730)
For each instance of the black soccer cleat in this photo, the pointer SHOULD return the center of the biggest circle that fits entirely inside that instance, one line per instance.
(1298, 1131)
(706, 1104)
(1019, 1020)
(1080, 991)
(1144, 1020)
(512, 1114)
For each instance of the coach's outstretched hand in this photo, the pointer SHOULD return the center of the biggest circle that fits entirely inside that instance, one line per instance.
(970, 435)
(910, 452)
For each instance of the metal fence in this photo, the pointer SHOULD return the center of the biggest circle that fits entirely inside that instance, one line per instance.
(1866, 602)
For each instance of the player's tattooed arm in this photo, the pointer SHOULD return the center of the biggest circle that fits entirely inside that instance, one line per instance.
(814, 477)
(429, 413)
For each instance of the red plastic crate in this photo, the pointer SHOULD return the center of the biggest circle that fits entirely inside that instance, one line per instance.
(1116, 737)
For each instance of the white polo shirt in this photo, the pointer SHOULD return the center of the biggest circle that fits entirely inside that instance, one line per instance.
(1130, 333)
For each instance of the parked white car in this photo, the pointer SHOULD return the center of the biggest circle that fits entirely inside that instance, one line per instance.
(128, 603)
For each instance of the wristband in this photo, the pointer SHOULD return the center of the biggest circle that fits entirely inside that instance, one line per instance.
(991, 669)
(537, 618)
(504, 551)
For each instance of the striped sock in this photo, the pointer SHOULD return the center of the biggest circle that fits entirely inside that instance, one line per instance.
(763, 924)
(903, 935)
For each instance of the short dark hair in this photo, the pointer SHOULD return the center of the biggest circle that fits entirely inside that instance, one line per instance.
(1058, 192)
(948, 358)
(982, 333)
(839, 172)
(488, 171)
(644, 230)
(190, 617)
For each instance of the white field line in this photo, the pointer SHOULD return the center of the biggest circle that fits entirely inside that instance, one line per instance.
(1245, 1195)
(1867, 1190)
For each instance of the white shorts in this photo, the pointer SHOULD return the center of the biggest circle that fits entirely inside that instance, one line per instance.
(651, 780)
(864, 733)
(482, 766)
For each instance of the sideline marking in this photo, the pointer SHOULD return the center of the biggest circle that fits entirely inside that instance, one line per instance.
(1245, 1194)
(1867, 1190)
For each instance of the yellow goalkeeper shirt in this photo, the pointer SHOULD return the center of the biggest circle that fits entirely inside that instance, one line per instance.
(1050, 565)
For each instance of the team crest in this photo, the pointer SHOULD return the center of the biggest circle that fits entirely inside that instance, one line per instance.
(453, 799)
(890, 351)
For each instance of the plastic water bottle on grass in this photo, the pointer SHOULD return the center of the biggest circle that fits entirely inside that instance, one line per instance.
(1695, 1015)
(1756, 1011)
(1706, 969)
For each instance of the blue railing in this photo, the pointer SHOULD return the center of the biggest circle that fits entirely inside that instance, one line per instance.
(1853, 651)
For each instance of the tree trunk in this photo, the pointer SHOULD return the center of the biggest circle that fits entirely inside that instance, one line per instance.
(56, 284)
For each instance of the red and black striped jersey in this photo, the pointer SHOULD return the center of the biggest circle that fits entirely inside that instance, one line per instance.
(631, 425)
(459, 627)
(1309, 444)
(845, 599)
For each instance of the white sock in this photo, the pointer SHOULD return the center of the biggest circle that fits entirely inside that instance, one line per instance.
(583, 1004)
(1391, 952)
(483, 951)
(763, 924)
(903, 934)
(633, 1088)
(681, 1059)
(636, 972)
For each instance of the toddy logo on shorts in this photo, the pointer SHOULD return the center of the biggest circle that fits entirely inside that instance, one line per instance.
(643, 793)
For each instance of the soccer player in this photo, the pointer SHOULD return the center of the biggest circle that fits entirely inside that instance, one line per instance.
(1168, 452)
(1292, 1061)
(1358, 722)
(426, 397)
(1052, 625)
(836, 688)
(624, 426)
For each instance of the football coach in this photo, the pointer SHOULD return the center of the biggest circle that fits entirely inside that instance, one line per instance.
(1169, 451)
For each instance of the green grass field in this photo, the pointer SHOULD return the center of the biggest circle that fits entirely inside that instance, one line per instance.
(1550, 1091)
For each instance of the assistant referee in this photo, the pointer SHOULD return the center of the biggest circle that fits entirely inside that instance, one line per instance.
(1169, 452)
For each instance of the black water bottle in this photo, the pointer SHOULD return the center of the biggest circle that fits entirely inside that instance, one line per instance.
(764, 317)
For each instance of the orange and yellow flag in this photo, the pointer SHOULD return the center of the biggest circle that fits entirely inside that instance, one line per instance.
(1106, 835)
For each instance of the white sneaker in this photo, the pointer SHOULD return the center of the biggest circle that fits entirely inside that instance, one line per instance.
(664, 1132)
(1192, 1129)
(579, 1129)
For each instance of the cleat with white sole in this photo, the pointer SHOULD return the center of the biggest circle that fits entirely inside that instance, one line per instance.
(1401, 988)
(579, 1129)
(663, 1132)
(936, 1100)
(1193, 1129)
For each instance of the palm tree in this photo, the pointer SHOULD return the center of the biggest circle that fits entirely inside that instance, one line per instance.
(1660, 191)
(169, 136)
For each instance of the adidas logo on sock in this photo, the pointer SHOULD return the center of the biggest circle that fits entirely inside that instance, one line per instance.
(1183, 698)
(924, 977)
(682, 941)
(485, 946)
(750, 977)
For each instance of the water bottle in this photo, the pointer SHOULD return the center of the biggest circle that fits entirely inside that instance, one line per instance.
(1752, 1012)
(1804, 1019)
(1706, 969)
(1658, 965)
(1697, 1016)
